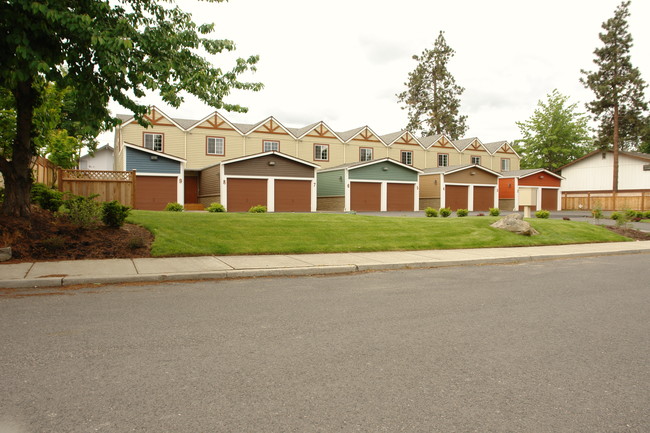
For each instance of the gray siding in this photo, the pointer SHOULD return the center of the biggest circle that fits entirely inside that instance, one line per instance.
(330, 184)
(142, 163)
(377, 172)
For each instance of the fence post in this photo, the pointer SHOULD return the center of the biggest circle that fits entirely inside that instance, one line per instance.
(59, 175)
(133, 189)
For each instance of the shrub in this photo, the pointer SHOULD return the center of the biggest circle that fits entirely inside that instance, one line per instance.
(216, 207)
(174, 207)
(445, 212)
(257, 209)
(53, 243)
(84, 212)
(544, 214)
(597, 213)
(114, 213)
(494, 211)
(646, 215)
(616, 216)
(135, 243)
(431, 212)
(46, 197)
(462, 212)
(632, 214)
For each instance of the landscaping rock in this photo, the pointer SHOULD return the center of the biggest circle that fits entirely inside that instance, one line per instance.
(5, 254)
(516, 224)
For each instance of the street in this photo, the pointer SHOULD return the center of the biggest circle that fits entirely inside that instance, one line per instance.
(545, 346)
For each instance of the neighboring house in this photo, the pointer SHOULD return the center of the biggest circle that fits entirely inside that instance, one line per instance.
(102, 159)
(543, 187)
(470, 187)
(588, 181)
(370, 186)
(280, 182)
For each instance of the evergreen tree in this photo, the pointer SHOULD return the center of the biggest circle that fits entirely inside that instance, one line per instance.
(554, 135)
(432, 95)
(619, 105)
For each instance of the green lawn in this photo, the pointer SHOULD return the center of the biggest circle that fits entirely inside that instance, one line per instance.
(188, 233)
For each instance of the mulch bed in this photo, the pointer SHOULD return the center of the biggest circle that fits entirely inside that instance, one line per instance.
(43, 236)
(630, 233)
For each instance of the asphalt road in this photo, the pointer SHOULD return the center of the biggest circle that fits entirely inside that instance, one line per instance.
(556, 346)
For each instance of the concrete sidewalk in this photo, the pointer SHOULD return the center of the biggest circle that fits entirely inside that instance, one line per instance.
(71, 272)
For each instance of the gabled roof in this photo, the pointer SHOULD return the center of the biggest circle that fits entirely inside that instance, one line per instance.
(179, 123)
(390, 139)
(636, 155)
(454, 168)
(104, 147)
(271, 120)
(529, 172)
(494, 147)
(210, 116)
(349, 135)
(355, 165)
(259, 155)
(463, 143)
(153, 152)
(319, 127)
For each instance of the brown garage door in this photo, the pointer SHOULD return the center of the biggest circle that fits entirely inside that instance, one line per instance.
(365, 196)
(401, 197)
(456, 196)
(483, 197)
(293, 196)
(245, 193)
(154, 192)
(549, 199)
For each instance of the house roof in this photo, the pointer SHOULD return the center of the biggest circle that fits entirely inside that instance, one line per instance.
(464, 142)
(528, 172)
(354, 165)
(494, 146)
(454, 168)
(636, 155)
(104, 147)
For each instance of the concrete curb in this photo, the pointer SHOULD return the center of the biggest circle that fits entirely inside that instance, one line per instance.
(297, 271)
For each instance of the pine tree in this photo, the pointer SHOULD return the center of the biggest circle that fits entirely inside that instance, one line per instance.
(432, 96)
(619, 105)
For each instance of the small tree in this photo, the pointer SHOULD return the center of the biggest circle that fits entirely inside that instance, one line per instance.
(432, 96)
(555, 134)
(619, 101)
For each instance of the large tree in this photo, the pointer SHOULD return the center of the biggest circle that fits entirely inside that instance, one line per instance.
(554, 135)
(619, 103)
(432, 96)
(102, 50)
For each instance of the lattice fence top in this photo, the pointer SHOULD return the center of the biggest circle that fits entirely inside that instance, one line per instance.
(119, 176)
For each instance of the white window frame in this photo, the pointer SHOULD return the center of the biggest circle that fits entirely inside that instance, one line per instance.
(319, 149)
(271, 146)
(216, 150)
(505, 164)
(407, 157)
(152, 140)
(365, 154)
(443, 157)
(476, 160)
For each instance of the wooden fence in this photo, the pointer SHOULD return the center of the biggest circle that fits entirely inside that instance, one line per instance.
(607, 200)
(110, 185)
(44, 171)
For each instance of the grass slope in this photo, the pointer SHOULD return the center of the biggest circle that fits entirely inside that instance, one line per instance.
(185, 234)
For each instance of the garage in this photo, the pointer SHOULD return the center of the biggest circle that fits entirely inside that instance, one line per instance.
(365, 196)
(370, 186)
(159, 177)
(292, 195)
(516, 186)
(457, 197)
(246, 193)
(483, 198)
(280, 182)
(472, 187)
(401, 197)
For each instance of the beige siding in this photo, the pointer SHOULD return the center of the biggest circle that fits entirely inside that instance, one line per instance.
(352, 150)
(306, 150)
(395, 152)
(173, 138)
(197, 142)
(430, 186)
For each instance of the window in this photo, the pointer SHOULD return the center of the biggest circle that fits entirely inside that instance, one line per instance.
(365, 154)
(476, 160)
(153, 142)
(321, 152)
(215, 146)
(505, 164)
(407, 157)
(443, 160)
(271, 146)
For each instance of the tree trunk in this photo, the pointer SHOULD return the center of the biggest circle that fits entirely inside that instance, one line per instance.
(616, 145)
(17, 173)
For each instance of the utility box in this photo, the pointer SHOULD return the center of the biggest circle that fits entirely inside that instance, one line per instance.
(527, 198)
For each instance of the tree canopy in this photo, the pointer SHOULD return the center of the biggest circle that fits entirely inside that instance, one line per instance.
(432, 97)
(101, 51)
(554, 135)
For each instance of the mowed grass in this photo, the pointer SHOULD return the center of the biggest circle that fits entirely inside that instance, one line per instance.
(188, 233)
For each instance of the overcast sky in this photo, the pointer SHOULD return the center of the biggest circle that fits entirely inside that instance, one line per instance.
(343, 61)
